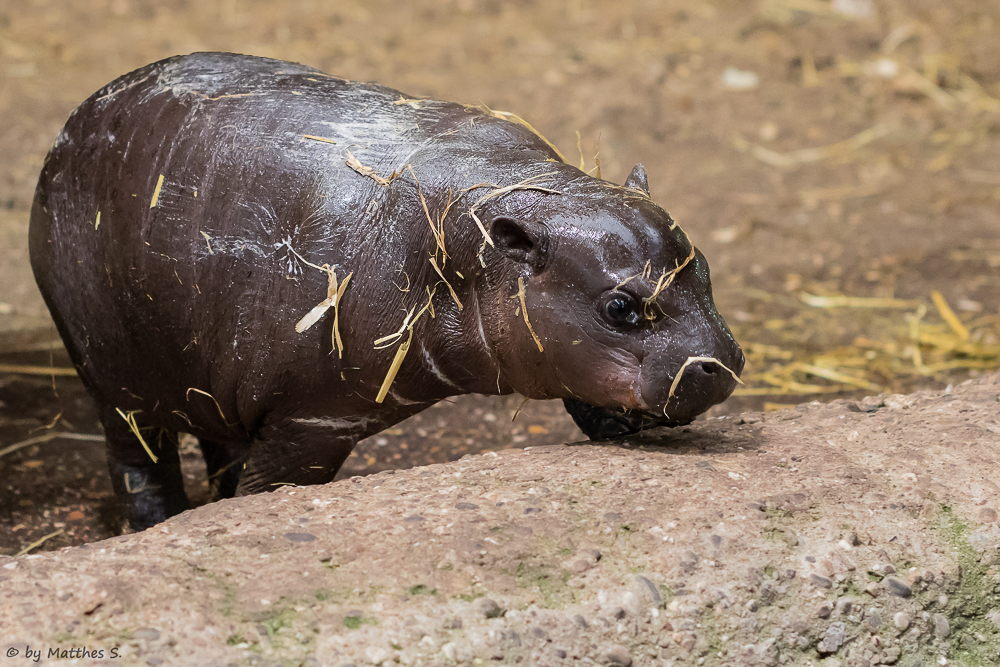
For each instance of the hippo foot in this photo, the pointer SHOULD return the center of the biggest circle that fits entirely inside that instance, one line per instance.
(604, 424)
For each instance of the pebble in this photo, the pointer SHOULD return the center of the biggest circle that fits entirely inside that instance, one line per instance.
(617, 656)
(646, 591)
(832, 639)
(488, 608)
(822, 582)
(376, 654)
(941, 627)
(151, 634)
(300, 537)
(688, 561)
(825, 610)
(897, 587)
(987, 515)
(874, 618)
(901, 620)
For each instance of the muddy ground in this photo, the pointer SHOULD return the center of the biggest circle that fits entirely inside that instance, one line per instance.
(808, 148)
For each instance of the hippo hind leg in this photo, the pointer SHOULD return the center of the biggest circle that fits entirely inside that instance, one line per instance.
(148, 491)
(224, 464)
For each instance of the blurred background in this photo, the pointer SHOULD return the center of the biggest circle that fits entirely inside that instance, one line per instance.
(837, 161)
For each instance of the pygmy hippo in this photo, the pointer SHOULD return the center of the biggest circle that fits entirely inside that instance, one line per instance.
(282, 263)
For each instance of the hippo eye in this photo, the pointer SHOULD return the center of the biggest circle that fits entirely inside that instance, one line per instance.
(621, 310)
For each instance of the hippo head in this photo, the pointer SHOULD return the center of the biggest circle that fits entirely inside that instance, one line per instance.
(620, 319)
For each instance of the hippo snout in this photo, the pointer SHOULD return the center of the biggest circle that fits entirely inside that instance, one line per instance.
(697, 384)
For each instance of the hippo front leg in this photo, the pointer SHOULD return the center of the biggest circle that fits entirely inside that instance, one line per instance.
(296, 452)
(604, 424)
(148, 491)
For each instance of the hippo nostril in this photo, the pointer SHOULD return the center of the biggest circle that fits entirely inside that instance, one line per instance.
(707, 368)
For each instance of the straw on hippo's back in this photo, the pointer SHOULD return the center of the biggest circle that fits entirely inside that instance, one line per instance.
(192, 213)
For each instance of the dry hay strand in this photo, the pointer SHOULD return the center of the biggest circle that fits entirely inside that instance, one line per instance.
(129, 418)
(411, 102)
(313, 137)
(665, 280)
(156, 192)
(187, 397)
(949, 316)
(39, 542)
(527, 184)
(524, 313)
(15, 369)
(437, 229)
(334, 295)
(817, 154)
(356, 165)
(397, 361)
(684, 366)
(514, 118)
(337, 343)
(38, 439)
(454, 296)
(408, 323)
(840, 301)
(97, 222)
(520, 407)
(914, 349)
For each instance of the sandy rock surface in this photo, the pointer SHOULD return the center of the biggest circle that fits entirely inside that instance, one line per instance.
(846, 534)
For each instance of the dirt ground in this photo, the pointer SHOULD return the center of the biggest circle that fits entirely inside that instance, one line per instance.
(809, 148)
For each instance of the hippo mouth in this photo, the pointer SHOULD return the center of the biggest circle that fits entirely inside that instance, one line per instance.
(605, 424)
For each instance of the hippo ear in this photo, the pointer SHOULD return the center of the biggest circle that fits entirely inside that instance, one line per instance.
(637, 179)
(520, 241)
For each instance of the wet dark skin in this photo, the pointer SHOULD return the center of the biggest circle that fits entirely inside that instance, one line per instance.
(179, 227)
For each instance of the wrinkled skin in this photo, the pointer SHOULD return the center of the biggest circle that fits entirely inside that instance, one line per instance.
(179, 304)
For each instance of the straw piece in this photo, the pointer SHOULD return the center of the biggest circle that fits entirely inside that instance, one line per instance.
(524, 312)
(521, 407)
(949, 316)
(680, 373)
(447, 284)
(436, 230)
(37, 370)
(397, 361)
(39, 542)
(855, 302)
(354, 164)
(338, 344)
(156, 192)
(97, 222)
(526, 184)
(134, 427)
(187, 396)
(317, 312)
(817, 154)
(315, 138)
(45, 437)
(664, 281)
(514, 118)
(410, 102)
(835, 376)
